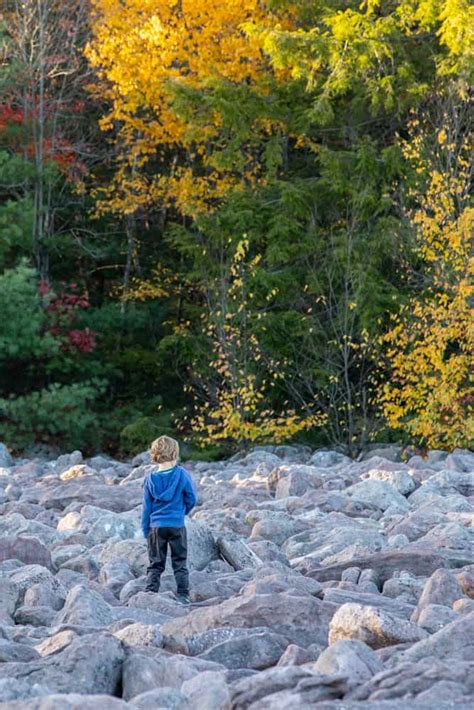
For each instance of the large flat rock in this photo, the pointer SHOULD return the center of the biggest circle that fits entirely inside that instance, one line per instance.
(417, 561)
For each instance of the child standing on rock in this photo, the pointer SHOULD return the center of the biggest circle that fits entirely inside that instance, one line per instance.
(168, 496)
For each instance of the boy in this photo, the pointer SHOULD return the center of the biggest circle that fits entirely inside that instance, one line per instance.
(168, 495)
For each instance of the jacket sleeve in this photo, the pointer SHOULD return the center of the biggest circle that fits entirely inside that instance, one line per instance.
(146, 510)
(189, 494)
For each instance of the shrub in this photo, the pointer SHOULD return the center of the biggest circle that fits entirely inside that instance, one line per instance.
(23, 319)
(55, 414)
(137, 435)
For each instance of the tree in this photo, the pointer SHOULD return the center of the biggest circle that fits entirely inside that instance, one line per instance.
(163, 107)
(233, 396)
(36, 401)
(43, 72)
(430, 346)
(349, 249)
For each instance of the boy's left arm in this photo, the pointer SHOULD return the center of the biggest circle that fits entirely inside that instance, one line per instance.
(146, 511)
(189, 494)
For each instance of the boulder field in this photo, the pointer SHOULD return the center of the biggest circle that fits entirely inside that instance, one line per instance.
(316, 581)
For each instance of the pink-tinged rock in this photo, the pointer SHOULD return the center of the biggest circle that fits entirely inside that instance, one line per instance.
(26, 549)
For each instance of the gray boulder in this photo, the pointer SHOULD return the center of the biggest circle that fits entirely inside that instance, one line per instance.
(294, 480)
(397, 607)
(9, 598)
(163, 603)
(85, 563)
(207, 691)
(307, 693)
(401, 480)
(13, 688)
(25, 577)
(168, 698)
(463, 606)
(268, 581)
(405, 586)
(335, 534)
(132, 587)
(461, 460)
(373, 626)
(267, 551)
(388, 452)
(236, 552)
(458, 539)
(34, 615)
(420, 561)
(297, 656)
(379, 493)
(10, 651)
(133, 552)
(441, 588)
(434, 617)
(202, 548)
(115, 575)
(62, 553)
(41, 594)
(350, 658)
(90, 664)
(251, 689)
(417, 522)
(210, 585)
(455, 639)
(84, 607)
(143, 672)
(452, 481)
(429, 680)
(196, 644)
(257, 651)
(101, 525)
(88, 490)
(277, 529)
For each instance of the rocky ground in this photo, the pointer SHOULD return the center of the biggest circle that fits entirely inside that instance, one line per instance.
(317, 581)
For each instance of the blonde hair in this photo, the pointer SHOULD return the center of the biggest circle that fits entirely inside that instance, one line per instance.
(164, 449)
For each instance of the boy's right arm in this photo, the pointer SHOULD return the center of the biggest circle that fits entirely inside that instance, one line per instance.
(146, 511)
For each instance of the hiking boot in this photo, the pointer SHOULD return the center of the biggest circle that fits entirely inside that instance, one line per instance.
(184, 599)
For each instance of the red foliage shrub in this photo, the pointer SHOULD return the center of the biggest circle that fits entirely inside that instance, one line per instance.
(62, 309)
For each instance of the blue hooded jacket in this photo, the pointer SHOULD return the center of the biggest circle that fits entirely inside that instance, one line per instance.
(167, 497)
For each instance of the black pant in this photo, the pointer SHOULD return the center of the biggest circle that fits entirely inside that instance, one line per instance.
(158, 541)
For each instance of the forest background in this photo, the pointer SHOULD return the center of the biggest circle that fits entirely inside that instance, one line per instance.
(239, 222)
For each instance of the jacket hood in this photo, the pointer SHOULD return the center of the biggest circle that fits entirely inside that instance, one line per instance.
(163, 486)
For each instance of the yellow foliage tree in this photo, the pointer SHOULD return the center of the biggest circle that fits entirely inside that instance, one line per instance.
(233, 406)
(148, 53)
(431, 344)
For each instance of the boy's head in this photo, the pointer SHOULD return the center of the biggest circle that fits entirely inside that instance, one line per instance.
(164, 449)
